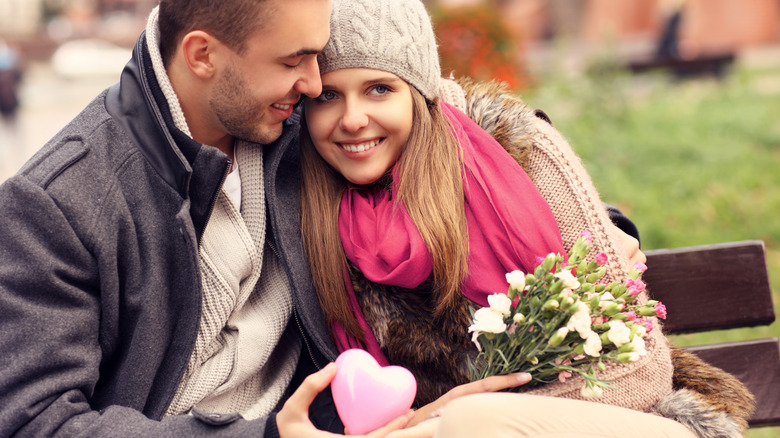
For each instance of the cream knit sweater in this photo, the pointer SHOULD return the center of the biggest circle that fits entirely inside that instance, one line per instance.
(243, 359)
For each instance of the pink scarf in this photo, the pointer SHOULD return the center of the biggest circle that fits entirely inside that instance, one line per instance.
(509, 225)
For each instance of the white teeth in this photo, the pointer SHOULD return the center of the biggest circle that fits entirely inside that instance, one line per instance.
(281, 107)
(360, 147)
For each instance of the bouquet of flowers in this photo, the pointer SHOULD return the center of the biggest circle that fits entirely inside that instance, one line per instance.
(561, 320)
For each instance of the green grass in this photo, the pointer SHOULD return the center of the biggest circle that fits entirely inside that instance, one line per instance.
(691, 162)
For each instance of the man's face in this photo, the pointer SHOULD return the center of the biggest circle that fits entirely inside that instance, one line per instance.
(256, 91)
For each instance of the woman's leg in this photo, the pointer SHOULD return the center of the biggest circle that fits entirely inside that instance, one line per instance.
(507, 415)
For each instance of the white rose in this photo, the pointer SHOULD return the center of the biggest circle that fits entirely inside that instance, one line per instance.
(639, 345)
(580, 321)
(618, 333)
(629, 357)
(500, 303)
(487, 321)
(569, 280)
(475, 340)
(591, 392)
(593, 345)
(516, 280)
(606, 300)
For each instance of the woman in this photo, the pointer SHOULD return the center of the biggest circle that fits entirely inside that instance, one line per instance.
(385, 180)
(411, 213)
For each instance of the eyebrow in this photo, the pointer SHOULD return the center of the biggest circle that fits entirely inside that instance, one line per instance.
(302, 52)
(382, 79)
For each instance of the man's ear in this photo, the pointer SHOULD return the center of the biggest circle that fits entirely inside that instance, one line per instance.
(198, 51)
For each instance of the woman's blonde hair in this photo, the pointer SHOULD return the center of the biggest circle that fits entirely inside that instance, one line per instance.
(431, 189)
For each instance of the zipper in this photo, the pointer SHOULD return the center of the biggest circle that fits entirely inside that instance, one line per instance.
(305, 339)
(295, 310)
(214, 199)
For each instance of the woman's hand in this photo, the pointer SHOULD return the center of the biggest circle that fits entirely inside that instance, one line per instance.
(488, 384)
(292, 421)
(426, 429)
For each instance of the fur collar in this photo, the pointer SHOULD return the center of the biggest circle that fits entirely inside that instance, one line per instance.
(503, 115)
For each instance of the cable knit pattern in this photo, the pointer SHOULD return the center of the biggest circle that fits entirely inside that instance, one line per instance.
(563, 181)
(389, 35)
(452, 93)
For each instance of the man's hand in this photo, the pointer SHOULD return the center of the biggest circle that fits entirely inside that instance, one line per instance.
(630, 247)
(293, 420)
(488, 384)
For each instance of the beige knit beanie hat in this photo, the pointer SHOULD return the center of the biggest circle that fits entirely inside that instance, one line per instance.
(395, 36)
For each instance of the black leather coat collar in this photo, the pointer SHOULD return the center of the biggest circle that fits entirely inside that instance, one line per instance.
(138, 105)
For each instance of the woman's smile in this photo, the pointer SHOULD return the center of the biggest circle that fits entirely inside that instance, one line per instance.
(360, 146)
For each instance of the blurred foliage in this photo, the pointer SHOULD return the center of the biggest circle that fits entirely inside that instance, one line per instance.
(474, 42)
(691, 162)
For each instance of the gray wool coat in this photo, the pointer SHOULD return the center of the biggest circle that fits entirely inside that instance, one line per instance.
(99, 281)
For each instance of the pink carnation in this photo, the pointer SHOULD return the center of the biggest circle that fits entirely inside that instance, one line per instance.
(640, 285)
(660, 310)
(631, 315)
(601, 259)
(587, 235)
(641, 267)
(633, 291)
(647, 323)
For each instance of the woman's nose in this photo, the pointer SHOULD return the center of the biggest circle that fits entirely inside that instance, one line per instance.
(354, 118)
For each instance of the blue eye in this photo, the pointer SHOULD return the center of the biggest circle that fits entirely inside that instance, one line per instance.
(326, 96)
(381, 89)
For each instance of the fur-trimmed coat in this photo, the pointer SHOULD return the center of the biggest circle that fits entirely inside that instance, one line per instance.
(668, 381)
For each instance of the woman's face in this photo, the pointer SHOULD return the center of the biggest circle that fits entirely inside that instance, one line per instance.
(361, 121)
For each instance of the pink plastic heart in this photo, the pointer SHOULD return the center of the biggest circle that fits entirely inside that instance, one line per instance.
(367, 395)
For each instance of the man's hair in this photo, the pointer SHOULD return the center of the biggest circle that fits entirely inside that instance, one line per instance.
(230, 21)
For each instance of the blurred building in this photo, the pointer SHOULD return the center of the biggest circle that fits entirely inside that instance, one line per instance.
(20, 17)
(705, 25)
(545, 32)
(39, 26)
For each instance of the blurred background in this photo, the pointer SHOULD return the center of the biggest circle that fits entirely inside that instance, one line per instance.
(673, 105)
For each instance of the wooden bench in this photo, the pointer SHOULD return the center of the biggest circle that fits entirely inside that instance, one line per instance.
(715, 65)
(717, 287)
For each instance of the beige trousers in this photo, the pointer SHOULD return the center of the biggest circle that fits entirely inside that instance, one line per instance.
(505, 415)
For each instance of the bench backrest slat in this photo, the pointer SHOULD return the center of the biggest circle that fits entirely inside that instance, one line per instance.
(719, 286)
(723, 286)
(756, 364)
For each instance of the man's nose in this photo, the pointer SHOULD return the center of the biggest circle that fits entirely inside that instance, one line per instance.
(310, 82)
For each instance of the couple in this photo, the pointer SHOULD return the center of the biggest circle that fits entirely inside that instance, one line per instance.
(152, 275)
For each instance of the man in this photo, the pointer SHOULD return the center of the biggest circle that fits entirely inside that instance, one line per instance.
(139, 292)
